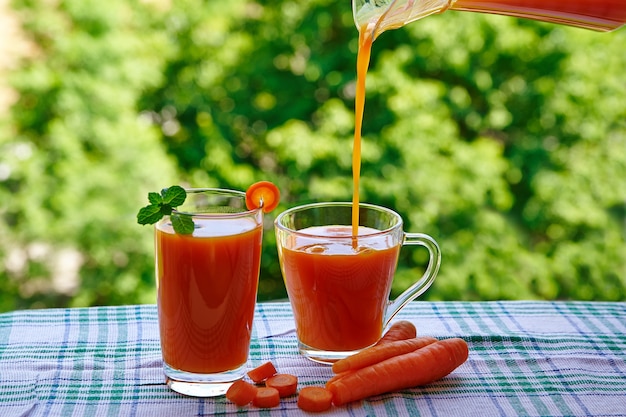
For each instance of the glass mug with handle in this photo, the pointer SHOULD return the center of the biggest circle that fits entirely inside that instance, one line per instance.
(339, 284)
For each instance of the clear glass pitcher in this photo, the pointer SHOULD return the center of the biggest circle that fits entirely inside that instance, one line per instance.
(379, 16)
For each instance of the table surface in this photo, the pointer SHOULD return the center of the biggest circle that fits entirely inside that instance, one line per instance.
(526, 359)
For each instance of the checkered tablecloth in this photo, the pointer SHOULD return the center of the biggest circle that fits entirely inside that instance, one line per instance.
(526, 359)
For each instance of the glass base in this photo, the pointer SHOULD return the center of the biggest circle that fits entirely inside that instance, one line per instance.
(327, 357)
(201, 385)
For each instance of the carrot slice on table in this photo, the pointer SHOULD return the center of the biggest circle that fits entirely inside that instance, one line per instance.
(413, 369)
(241, 392)
(262, 194)
(262, 372)
(399, 330)
(266, 397)
(379, 353)
(286, 384)
(314, 399)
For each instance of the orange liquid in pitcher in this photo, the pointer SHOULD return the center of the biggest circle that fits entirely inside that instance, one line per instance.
(206, 293)
(339, 292)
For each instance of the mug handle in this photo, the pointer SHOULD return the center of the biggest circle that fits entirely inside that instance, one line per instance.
(424, 282)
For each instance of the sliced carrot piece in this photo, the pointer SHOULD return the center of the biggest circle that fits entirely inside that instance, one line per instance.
(241, 392)
(266, 397)
(286, 384)
(262, 194)
(314, 399)
(262, 372)
(400, 330)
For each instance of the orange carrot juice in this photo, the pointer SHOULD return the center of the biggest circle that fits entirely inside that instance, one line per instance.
(339, 292)
(206, 289)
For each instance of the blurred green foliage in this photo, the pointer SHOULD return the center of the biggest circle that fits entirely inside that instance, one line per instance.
(502, 138)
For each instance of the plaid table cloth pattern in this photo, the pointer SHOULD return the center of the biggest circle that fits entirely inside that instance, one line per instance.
(526, 359)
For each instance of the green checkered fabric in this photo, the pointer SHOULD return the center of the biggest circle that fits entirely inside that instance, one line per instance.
(526, 359)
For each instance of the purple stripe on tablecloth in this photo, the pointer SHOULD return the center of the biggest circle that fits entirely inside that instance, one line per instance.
(55, 383)
(201, 402)
(435, 308)
(139, 324)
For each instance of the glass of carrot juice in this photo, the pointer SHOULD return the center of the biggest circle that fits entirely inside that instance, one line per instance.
(206, 290)
(339, 282)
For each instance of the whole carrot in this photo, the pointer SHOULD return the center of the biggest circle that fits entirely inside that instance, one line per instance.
(416, 368)
(379, 353)
(337, 377)
(400, 330)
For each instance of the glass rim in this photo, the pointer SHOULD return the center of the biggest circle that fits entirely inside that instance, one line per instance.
(218, 191)
(281, 216)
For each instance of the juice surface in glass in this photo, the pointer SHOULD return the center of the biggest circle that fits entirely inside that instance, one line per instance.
(339, 292)
(206, 288)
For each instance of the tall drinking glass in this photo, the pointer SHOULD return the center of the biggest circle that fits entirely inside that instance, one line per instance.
(206, 291)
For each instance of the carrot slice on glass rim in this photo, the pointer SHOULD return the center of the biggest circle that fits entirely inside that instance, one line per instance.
(263, 194)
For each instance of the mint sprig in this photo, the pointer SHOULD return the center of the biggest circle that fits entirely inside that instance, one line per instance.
(163, 204)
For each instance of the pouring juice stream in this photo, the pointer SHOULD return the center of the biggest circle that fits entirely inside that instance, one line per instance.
(373, 17)
(363, 60)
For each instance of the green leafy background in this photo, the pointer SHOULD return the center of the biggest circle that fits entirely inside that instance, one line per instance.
(503, 138)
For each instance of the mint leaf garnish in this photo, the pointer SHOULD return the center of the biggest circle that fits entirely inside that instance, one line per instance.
(155, 198)
(183, 223)
(149, 214)
(174, 196)
(162, 205)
